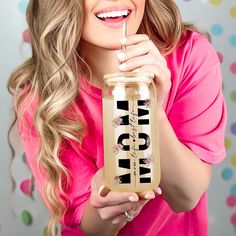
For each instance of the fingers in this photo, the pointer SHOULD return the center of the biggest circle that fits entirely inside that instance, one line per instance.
(117, 212)
(137, 62)
(133, 39)
(162, 78)
(107, 213)
(139, 52)
(148, 195)
(136, 45)
(101, 196)
(142, 48)
(112, 205)
(104, 197)
(162, 75)
(152, 64)
(133, 212)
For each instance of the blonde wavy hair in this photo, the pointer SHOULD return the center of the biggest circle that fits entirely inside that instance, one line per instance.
(52, 72)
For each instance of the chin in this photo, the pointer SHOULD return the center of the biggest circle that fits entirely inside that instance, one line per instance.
(110, 44)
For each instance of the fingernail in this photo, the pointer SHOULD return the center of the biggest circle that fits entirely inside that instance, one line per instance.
(123, 40)
(121, 55)
(122, 66)
(159, 191)
(148, 196)
(101, 188)
(133, 199)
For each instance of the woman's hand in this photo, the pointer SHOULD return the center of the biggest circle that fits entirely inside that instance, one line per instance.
(141, 54)
(111, 206)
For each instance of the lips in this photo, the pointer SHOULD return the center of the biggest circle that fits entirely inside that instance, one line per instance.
(114, 14)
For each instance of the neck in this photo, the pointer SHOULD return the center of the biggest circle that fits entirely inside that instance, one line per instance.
(100, 60)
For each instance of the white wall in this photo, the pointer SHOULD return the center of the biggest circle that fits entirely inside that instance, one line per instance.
(211, 15)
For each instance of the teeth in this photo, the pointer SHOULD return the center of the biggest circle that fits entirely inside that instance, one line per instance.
(113, 14)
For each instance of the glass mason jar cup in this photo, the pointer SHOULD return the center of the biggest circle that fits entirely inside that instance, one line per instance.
(130, 129)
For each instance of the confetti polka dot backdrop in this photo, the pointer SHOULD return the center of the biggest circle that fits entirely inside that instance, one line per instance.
(217, 17)
(20, 215)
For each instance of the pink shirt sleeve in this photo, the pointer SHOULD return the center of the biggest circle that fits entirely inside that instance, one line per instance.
(198, 115)
(82, 168)
(79, 164)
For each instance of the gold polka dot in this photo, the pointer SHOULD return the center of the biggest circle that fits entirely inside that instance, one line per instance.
(216, 2)
(233, 12)
(233, 160)
(228, 143)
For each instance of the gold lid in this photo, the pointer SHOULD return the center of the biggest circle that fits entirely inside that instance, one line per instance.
(129, 74)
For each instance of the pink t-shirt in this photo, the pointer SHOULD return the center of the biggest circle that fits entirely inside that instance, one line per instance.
(196, 111)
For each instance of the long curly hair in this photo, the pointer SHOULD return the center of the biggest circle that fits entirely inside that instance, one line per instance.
(52, 72)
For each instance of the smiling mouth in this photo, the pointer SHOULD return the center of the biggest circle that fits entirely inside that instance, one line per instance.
(113, 15)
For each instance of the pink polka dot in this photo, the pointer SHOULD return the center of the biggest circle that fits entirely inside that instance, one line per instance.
(26, 36)
(231, 201)
(233, 219)
(25, 186)
(220, 56)
(233, 67)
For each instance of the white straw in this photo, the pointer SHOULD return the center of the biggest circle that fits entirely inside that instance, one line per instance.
(123, 34)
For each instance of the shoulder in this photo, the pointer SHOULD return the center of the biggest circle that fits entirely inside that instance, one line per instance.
(196, 47)
(192, 38)
(194, 66)
(193, 54)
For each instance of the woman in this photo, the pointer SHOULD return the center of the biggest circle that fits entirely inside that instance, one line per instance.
(57, 96)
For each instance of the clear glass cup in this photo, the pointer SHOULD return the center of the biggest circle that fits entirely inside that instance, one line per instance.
(130, 129)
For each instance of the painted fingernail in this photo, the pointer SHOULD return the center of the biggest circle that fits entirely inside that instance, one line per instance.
(159, 191)
(148, 196)
(123, 40)
(121, 55)
(101, 188)
(133, 199)
(122, 66)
